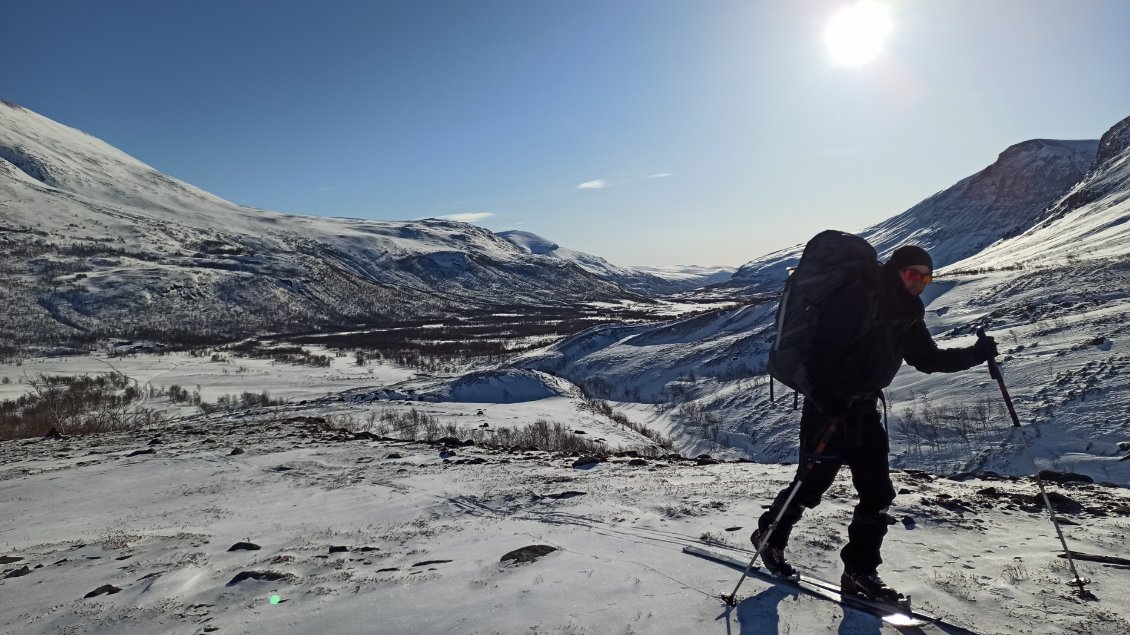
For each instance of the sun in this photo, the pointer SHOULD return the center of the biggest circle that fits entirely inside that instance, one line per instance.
(855, 34)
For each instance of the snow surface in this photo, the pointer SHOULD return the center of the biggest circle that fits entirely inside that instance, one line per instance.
(371, 536)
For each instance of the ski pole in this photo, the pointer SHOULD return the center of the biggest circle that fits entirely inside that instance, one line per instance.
(995, 373)
(1078, 581)
(833, 424)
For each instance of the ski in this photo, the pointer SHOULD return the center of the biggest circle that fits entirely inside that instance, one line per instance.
(891, 615)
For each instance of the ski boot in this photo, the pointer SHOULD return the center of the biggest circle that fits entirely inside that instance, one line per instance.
(870, 586)
(774, 558)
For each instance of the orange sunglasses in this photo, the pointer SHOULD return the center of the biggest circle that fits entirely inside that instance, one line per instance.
(913, 275)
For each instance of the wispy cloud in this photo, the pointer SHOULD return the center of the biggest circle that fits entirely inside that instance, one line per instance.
(323, 189)
(661, 175)
(598, 184)
(467, 217)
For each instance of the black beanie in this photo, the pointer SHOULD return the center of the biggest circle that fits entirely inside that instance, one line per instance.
(908, 256)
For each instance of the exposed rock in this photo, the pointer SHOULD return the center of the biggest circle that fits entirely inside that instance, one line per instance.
(140, 452)
(105, 589)
(339, 549)
(564, 495)
(17, 573)
(527, 554)
(1065, 477)
(586, 461)
(244, 546)
(270, 576)
(1060, 503)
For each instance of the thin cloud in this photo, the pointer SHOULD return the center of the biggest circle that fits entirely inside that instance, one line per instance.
(661, 175)
(467, 217)
(598, 184)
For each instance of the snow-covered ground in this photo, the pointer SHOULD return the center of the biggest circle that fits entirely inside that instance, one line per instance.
(358, 535)
(213, 379)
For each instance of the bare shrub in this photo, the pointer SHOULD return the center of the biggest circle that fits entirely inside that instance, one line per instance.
(599, 407)
(234, 402)
(539, 435)
(698, 417)
(75, 405)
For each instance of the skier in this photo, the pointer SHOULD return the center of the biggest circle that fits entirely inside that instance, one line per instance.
(847, 373)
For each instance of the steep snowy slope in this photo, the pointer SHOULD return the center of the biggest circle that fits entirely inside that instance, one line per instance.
(97, 243)
(648, 281)
(1004, 199)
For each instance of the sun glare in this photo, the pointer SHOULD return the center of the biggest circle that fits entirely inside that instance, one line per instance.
(855, 34)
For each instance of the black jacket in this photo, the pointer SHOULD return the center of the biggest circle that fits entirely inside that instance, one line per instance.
(862, 338)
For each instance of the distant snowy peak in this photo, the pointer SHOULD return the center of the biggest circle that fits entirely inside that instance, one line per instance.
(530, 243)
(1004, 199)
(700, 274)
(538, 246)
(644, 280)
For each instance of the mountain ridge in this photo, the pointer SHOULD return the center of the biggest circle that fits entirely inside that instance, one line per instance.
(650, 281)
(99, 244)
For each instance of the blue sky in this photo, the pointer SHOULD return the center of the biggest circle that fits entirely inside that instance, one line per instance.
(718, 130)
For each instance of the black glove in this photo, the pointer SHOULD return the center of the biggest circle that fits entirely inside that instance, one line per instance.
(984, 349)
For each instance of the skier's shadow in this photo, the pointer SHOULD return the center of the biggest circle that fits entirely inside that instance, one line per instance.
(759, 615)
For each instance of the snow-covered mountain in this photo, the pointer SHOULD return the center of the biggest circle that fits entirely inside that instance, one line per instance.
(1002, 200)
(649, 281)
(1056, 296)
(1090, 222)
(96, 243)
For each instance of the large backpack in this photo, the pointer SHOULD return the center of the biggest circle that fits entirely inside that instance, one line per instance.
(831, 261)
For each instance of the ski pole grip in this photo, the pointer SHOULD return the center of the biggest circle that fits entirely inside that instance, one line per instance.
(995, 373)
(994, 370)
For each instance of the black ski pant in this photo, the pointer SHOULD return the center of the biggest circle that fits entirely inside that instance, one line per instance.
(861, 444)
